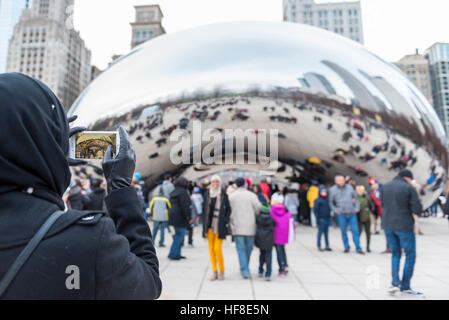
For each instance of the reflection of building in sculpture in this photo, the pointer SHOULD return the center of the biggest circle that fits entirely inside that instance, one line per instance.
(363, 96)
(344, 18)
(317, 82)
(251, 85)
(44, 46)
(438, 56)
(398, 102)
(148, 24)
(416, 67)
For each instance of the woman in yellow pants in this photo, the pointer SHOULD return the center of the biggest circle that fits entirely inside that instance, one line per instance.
(216, 224)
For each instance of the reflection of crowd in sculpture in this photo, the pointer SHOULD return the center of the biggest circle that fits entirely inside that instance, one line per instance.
(203, 111)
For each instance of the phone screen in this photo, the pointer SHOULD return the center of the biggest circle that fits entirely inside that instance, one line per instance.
(93, 144)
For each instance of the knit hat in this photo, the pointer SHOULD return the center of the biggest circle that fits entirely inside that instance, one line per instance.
(138, 176)
(215, 178)
(277, 198)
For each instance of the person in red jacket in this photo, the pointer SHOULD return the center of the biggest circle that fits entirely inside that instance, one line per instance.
(265, 188)
(374, 194)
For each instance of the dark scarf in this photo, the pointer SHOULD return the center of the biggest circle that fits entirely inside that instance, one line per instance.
(34, 134)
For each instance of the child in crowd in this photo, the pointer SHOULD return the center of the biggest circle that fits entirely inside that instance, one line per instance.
(322, 212)
(281, 230)
(265, 240)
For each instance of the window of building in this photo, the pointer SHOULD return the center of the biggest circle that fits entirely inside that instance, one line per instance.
(350, 12)
(43, 7)
(151, 33)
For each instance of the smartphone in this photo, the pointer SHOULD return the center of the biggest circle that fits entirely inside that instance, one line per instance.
(92, 145)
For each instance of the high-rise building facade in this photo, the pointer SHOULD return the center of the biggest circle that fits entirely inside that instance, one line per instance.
(344, 18)
(438, 57)
(10, 11)
(46, 47)
(416, 67)
(148, 24)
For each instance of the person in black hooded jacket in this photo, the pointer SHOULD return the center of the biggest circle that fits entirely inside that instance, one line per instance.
(179, 216)
(84, 255)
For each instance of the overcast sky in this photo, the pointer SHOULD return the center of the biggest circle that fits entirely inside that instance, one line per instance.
(392, 28)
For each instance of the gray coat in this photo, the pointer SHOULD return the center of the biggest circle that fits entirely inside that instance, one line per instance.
(399, 202)
(343, 200)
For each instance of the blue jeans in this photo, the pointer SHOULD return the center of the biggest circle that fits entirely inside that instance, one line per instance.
(265, 259)
(244, 245)
(398, 240)
(156, 226)
(282, 257)
(323, 228)
(175, 249)
(343, 221)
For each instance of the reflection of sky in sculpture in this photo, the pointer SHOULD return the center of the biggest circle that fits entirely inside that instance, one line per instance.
(237, 56)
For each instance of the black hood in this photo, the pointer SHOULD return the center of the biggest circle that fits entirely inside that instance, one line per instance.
(34, 139)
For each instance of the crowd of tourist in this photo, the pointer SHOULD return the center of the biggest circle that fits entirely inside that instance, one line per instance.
(264, 216)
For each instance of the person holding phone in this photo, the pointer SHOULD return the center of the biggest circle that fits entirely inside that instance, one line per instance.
(84, 254)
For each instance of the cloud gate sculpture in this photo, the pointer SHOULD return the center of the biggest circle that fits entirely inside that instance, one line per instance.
(337, 107)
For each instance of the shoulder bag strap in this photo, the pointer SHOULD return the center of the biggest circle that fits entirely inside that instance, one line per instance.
(27, 251)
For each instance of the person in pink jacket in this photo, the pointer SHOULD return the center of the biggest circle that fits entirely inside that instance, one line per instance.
(281, 230)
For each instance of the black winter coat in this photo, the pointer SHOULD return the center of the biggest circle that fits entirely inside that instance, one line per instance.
(223, 217)
(115, 255)
(265, 232)
(399, 202)
(180, 212)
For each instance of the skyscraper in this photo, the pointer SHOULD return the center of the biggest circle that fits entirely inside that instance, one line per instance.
(416, 67)
(148, 24)
(46, 47)
(438, 57)
(344, 18)
(10, 11)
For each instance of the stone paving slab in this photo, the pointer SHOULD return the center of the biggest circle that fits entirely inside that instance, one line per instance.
(313, 274)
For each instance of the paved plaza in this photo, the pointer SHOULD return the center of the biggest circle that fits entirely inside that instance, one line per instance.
(313, 274)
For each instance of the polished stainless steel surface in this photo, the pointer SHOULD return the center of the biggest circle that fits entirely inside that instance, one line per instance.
(328, 96)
